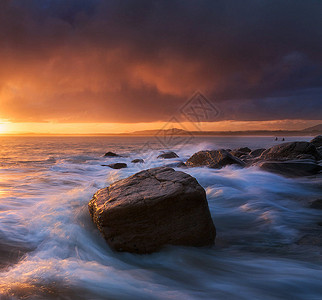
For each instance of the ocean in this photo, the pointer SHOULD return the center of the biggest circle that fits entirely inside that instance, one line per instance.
(50, 249)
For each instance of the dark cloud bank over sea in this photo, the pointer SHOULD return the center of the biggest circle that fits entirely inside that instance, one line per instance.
(132, 61)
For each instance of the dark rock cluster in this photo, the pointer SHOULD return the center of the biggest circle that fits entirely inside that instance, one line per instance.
(161, 206)
(288, 159)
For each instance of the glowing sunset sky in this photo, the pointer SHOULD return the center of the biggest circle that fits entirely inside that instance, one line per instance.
(80, 66)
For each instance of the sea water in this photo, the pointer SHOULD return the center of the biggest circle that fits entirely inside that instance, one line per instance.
(50, 249)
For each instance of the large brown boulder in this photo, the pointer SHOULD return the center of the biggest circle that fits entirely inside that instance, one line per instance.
(317, 141)
(153, 208)
(292, 150)
(213, 159)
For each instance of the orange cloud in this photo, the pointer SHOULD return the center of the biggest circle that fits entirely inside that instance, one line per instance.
(111, 62)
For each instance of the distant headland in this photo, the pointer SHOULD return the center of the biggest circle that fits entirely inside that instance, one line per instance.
(310, 131)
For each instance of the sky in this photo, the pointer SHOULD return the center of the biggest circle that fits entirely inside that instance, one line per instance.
(81, 66)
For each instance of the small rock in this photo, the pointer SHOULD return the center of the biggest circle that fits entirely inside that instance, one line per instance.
(213, 159)
(153, 208)
(317, 141)
(167, 155)
(116, 165)
(111, 154)
(317, 204)
(137, 160)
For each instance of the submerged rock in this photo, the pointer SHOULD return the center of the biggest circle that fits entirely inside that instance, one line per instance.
(317, 141)
(213, 159)
(311, 239)
(152, 208)
(289, 151)
(167, 155)
(317, 204)
(292, 168)
(111, 154)
(116, 166)
(137, 160)
(11, 253)
(178, 164)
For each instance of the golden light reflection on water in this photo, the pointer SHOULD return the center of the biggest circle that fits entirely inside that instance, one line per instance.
(4, 192)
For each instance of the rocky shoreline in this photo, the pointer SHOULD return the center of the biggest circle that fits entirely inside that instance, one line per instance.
(161, 206)
(289, 159)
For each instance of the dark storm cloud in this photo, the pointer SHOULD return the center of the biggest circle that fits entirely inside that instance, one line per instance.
(131, 61)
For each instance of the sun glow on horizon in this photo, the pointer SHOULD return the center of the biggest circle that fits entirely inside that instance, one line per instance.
(48, 128)
(3, 127)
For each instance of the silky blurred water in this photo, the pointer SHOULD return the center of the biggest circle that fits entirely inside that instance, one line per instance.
(49, 248)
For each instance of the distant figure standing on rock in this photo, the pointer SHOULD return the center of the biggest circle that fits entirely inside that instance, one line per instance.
(276, 139)
(283, 139)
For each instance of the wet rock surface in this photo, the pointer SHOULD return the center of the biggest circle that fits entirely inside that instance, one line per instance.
(289, 159)
(213, 159)
(292, 150)
(257, 152)
(153, 208)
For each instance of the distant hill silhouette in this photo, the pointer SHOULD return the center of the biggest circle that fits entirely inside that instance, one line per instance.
(317, 128)
(172, 131)
(314, 130)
